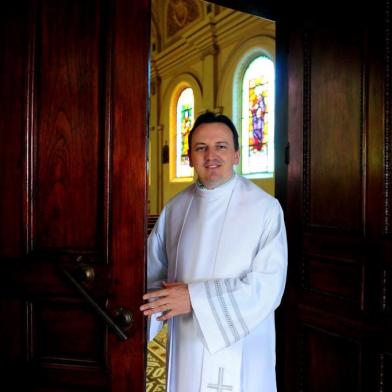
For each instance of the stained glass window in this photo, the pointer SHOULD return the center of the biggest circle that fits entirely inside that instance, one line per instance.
(185, 118)
(258, 97)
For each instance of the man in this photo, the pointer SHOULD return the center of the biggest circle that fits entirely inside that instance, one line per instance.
(217, 260)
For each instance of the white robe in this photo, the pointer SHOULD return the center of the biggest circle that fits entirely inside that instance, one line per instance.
(229, 246)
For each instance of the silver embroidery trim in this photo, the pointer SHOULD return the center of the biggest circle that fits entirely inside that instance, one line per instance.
(236, 308)
(215, 313)
(225, 311)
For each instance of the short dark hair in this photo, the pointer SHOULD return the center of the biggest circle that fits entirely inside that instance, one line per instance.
(210, 117)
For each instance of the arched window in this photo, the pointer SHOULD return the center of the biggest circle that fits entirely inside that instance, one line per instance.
(258, 98)
(184, 121)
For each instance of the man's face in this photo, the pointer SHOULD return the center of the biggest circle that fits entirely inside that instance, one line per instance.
(212, 154)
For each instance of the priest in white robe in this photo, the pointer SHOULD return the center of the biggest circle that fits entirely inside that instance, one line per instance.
(217, 261)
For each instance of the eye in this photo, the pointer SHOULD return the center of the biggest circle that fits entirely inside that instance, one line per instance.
(222, 147)
(200, 148)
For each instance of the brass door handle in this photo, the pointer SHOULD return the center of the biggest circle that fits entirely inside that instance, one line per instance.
(123, 318)
(85, 273)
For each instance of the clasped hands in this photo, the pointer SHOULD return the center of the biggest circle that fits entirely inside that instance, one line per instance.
(172, 300)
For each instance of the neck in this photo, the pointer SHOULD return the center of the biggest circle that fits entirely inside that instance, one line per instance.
(202, 185)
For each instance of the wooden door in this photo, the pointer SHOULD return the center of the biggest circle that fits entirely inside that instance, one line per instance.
(73, 77)
(338, 299)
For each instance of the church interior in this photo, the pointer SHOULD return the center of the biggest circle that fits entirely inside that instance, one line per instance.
(206, 49)
(202, 56)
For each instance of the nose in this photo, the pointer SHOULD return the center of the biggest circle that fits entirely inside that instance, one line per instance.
(209, 154)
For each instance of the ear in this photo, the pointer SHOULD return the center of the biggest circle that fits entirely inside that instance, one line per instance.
(237, 157)
(190, 158)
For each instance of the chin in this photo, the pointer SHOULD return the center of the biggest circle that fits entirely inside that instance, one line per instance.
(214, 183)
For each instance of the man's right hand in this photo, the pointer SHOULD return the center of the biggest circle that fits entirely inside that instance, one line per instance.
(172, 300)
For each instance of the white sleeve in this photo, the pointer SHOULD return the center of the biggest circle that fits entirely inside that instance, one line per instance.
(156, 269)
(156, 255)
(226, 310)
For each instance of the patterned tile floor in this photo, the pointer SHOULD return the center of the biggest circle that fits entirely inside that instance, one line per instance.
(156, 363)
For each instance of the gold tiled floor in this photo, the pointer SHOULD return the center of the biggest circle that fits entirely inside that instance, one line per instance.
(156, 363)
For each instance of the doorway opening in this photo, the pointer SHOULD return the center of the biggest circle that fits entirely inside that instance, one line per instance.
(205, 57)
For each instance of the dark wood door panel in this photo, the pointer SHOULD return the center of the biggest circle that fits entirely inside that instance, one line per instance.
(335, 352)
(339, 275)
(66, 332)
(12, 333)
(69, 130)
(330, 362)
(49, 330)
(333, 270)
(51, 342)
(339, 279)
(74, 84)
(333, 127)
(13, 44)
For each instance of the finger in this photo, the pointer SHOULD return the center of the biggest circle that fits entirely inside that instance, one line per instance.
(155, 294)
(159, 309)
(145, 307)
(154, 304)
(152, 295)
(173, 284)
(166, 316)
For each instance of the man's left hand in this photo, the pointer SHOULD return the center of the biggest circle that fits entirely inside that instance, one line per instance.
(172, 300)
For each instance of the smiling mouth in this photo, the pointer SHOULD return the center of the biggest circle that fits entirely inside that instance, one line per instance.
(212, 164)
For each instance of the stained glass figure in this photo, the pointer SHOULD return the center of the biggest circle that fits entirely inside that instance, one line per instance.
(185, 119)
(258, 96)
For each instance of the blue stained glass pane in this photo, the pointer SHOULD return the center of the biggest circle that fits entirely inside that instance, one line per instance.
(258, 97)
(186, 126)
(258, 91)
(185, 118)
